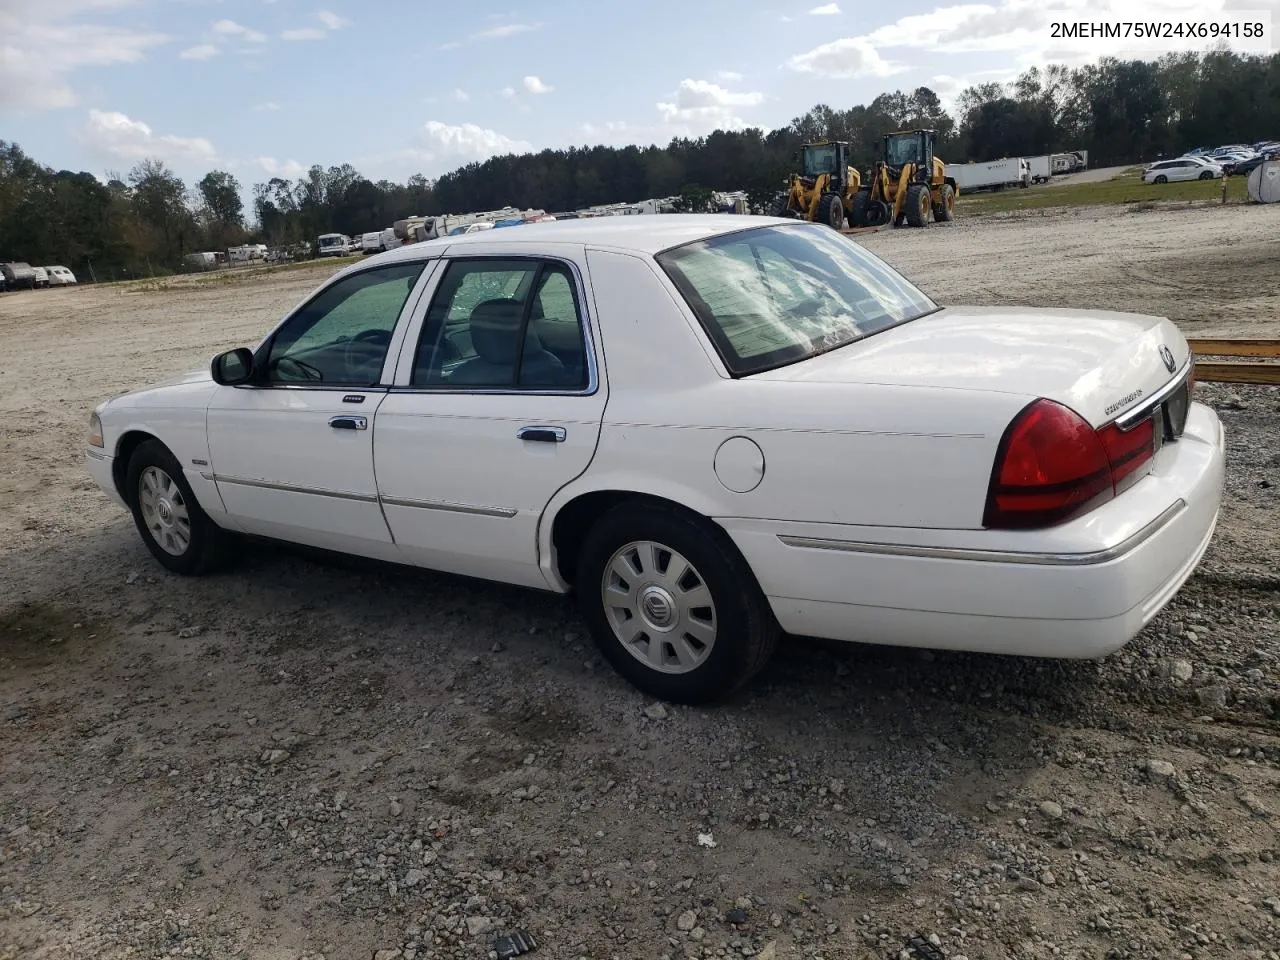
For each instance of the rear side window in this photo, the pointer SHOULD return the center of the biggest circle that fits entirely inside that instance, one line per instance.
(503, 324)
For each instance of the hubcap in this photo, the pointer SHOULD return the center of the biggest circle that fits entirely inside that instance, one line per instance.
(659, 607)
(164, 511)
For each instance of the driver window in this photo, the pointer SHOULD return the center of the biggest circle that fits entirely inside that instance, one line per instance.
(341, 336)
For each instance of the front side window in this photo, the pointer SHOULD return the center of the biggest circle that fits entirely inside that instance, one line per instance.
(903, 150)
(819, 160)
(341, 336)
(775, 295)
(503, 324)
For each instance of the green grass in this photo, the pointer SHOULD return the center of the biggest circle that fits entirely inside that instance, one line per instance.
(1125, 188)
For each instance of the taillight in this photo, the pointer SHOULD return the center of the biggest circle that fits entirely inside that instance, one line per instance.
(1052, 466)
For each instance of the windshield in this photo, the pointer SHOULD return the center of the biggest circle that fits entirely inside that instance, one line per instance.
(775, 295)
(900, 150)
(818, 160)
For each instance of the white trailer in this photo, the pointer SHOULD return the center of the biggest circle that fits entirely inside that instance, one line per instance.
(1041, 168)
(993, 175)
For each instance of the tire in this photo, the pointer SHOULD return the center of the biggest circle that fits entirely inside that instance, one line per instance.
(918, 205)
(723, 643)
(1161, 178)
(878, 213)
(779, 208)
(946, 208)
(858, 208)
(831, 211)
(170, 521)
(1204, 175)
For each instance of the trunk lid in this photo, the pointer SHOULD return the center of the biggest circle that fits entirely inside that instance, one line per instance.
(1099, 363)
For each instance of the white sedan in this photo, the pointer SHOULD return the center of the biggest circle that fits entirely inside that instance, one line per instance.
(713, 429)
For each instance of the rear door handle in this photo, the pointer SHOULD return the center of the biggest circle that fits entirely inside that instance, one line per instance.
(542, 434)
(348, 422)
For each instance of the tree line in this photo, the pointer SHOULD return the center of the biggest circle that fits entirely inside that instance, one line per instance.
(1121, 111)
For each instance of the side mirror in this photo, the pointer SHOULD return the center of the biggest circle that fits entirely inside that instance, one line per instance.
(233, 367)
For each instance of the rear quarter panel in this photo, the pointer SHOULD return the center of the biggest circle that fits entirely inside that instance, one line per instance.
(865, 454)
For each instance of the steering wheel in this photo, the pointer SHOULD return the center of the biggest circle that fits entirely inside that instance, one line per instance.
(307, 370)
(354, 357)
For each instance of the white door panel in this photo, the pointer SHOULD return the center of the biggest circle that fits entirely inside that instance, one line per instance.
(292, 451)
(462, 491)
(284, 471)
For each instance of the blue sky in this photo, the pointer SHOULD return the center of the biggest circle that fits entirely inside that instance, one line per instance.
(263, 87)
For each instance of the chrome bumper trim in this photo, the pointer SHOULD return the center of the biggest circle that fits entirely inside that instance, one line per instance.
(993, 556)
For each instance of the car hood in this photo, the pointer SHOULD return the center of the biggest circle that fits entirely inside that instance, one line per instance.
(1099, 363)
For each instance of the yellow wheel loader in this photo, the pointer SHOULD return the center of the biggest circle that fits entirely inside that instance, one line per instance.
(908, 184)
(825, 187)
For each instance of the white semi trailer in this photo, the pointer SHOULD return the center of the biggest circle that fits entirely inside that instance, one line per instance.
(992, 175)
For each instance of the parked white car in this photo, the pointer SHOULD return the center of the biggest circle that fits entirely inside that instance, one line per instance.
(60, 276)
(713, 429)
(1182, 168)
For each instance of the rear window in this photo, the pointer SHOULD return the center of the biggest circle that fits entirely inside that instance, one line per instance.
(771, 296)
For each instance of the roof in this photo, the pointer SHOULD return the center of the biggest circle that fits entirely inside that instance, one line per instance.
(639, 233)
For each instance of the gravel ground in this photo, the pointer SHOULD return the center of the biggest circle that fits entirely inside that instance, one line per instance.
(302, 758)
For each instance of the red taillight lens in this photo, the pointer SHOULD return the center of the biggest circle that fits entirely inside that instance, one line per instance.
(1128, 450)
(1052, 466)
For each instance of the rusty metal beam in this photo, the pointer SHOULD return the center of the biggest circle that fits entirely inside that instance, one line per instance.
(1235, 348)
(1227, 372)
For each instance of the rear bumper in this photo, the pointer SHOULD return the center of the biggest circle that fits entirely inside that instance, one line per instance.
(1081, 590)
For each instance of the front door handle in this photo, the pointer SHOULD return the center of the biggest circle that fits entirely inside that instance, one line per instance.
(348, 422)
(542, 434)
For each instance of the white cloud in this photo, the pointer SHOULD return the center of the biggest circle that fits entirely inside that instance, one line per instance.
(267, 106)
(229, 28)
(700, 106)
(507, 93)
(332, 20)
(204, 51)
(535, 86)
(500, 32)
(844, 59)
(466, 142)
(826, 10)
(505, 30)
(729, 76)
(42, 45)
(1016, 33)
(116, 136)
(274, 168)
(303, 33)
(460, 95)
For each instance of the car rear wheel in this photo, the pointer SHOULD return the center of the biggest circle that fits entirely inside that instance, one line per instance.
(1205, 175)
(172, 524)
(672, 604)
(1161, 178)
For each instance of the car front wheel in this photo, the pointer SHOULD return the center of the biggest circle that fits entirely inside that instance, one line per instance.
(175, 529)
(672, 604)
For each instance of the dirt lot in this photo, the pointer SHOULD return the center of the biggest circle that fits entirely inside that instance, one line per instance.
(301, 758)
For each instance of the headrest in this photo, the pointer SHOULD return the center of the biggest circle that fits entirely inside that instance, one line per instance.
(494, 325)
